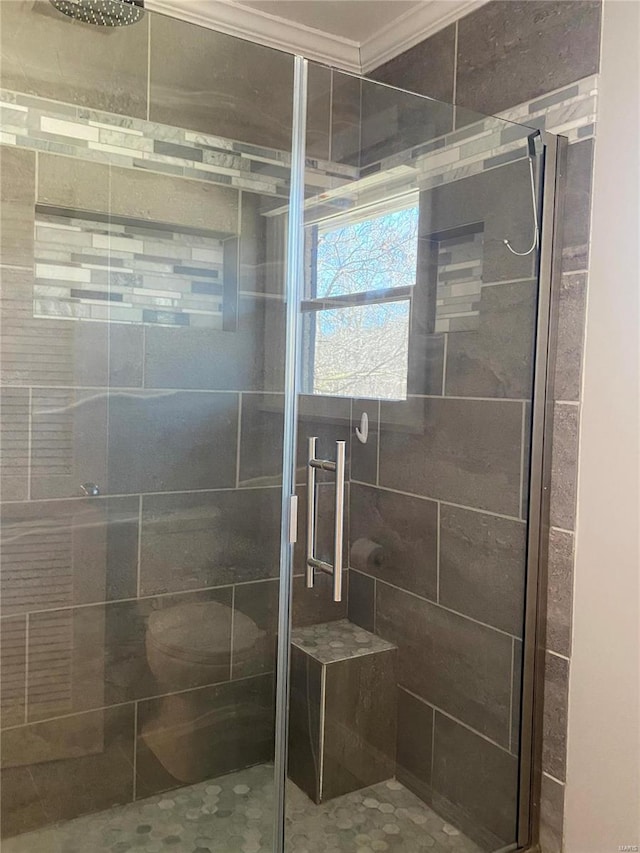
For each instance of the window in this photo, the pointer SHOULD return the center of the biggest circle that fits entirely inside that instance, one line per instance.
(361, 270)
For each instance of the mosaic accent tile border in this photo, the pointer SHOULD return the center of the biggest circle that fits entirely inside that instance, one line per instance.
(459, 282)
(58, 128)
(129, 273)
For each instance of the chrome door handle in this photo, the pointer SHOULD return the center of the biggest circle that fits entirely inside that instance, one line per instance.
(312, 562)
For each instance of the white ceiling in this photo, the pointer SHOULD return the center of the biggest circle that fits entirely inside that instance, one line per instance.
(352, 19)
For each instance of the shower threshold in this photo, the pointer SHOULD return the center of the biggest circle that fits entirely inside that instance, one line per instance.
(234, 814)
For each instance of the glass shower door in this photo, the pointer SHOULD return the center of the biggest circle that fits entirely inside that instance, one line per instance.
(416, 362)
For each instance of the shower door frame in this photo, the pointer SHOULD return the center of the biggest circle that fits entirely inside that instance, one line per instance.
(550, 190)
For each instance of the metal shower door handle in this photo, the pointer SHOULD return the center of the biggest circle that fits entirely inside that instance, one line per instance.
(339, 468)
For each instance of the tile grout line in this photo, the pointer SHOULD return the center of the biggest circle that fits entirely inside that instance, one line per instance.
(26, 667)
(148, 67)
(29, 440)
(438, 541)
(440, 500)
(433, 603)
(135, 750)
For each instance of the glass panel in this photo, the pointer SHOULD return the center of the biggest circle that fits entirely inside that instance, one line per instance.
(418, 343)
(142, 347)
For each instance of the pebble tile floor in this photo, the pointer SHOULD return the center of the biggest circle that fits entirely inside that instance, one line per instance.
(234, 814)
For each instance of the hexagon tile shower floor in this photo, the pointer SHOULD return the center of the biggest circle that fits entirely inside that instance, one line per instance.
(233, 814)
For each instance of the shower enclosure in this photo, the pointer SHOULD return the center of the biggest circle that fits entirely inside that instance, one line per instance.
(275, 345)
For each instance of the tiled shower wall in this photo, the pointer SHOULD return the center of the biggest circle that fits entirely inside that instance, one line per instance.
(160, 414)
(499, 56)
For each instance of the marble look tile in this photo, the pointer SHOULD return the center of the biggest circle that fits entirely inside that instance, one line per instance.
(316, 605)
(451, 662)
(394, 537)
(556, 698)
(92, 548)
(564, 465)
(462, 451)
(560, 592)
(171, 441)
(190, 541)
(427, 68)
(189, 90)
(101, 68)
(475, 781)
(570, 337)
(497, 67)
(17, 195)
(496, 360)
(203, 733)
(305, 705)
(415, 744)
(77, 764)
(483, 567)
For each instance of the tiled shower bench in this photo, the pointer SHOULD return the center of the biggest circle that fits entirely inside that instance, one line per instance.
(343, 708)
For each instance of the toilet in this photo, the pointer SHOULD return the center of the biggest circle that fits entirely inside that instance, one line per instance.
(187, 647)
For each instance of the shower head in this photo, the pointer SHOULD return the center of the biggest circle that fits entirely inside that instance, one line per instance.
(103, 13)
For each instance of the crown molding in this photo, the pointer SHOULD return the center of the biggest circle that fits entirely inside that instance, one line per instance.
(234, 19)
(269, 30)
(411, 28)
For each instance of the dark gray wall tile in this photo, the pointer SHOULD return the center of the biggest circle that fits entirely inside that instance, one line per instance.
(395, 538)
(570, 337)
(415, 738)
(246, 93)
(259, 603)
(516, 697)
(305, 705)
(394, 121)
(362, 600)
(427, 68)
(577, 206)
(462, 451)
(100, 67)
(190, 541)
(560, 592)
(106, 656)
(564, 466)
(68, 442)
(316, 605)
(345, 118)
(364, 457)
(499, 199)
(211, 359)
(162, 198)
(215, 730)
(172, 441)
(551, 815)
(512, 51)
(91, 549)
(556, 699)
(79, 764)
(496, 360)
(453, 663)
(14, 439)
(477, 780)
(17, 197)
(483, 566)
(360, 723)
(318, 111)
(13, 660)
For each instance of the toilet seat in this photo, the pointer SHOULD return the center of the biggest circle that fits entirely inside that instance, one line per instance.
(198, 632)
